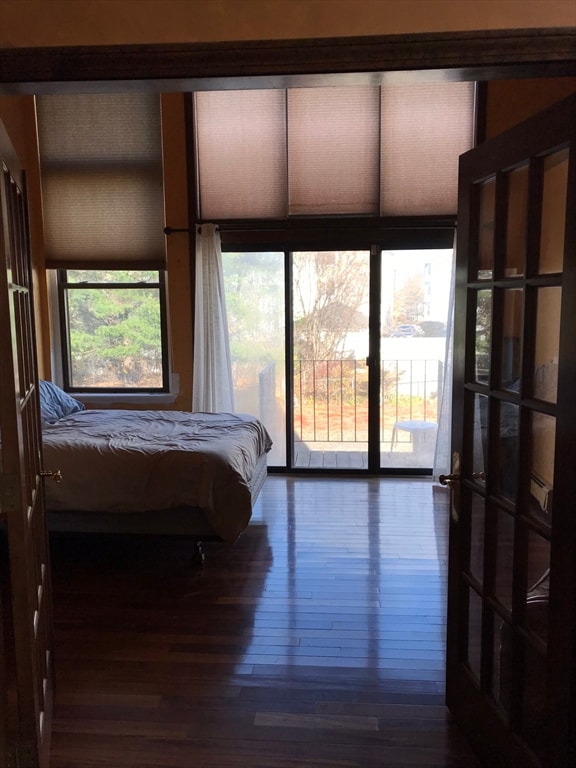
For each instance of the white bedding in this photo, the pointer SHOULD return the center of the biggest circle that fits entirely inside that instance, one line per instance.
(143, 461)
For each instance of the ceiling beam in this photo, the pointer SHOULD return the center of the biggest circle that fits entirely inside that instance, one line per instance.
(477, 55)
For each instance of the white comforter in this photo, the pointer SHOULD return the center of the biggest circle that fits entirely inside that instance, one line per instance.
(132, 461)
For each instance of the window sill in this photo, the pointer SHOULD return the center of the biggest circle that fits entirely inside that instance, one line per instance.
(124, 399)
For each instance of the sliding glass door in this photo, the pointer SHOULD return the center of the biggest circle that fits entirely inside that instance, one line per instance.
(341, 354)
(414, 330)
(330, 321)
(255, 302)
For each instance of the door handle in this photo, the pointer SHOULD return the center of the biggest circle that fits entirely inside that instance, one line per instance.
(449, 480)
(56, 475)
(453, 482)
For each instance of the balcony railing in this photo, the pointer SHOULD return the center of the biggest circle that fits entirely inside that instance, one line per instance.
(331, 398)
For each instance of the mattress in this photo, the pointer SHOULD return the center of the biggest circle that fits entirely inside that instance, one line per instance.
(120, 462)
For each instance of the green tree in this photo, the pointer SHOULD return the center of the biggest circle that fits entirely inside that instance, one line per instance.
(254, 284)
(115, 334)
(409, 300)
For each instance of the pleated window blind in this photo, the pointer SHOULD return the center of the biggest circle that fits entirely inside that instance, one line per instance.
(333, 148)
(424, 129)
(102, 185)
(358, 150)
(241, 153)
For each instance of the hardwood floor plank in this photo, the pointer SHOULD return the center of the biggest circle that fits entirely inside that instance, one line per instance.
(315, 641)
(316, 721)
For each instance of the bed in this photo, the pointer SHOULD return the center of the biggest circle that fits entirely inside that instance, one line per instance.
(161, 472)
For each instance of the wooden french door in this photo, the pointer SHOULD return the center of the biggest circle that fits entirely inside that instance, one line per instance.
(512, 593)
(26, 593)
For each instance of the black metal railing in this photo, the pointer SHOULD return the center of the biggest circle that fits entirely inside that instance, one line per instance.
(331, 397)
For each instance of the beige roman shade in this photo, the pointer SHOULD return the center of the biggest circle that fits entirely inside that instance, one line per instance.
(354, 150)
(424, 129)
(241, 153)
(333, 147)
(102, 186)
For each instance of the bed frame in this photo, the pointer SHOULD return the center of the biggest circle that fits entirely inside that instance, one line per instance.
(183, 521)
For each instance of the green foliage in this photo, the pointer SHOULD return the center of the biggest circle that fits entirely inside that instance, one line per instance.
(111, 276)
(255, 306)
(409, 300)
(115, 337)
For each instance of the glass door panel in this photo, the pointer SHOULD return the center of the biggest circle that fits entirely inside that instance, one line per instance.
(543, 439)
(517, 215)
(254, 286)
(414, 304)
(534, 728)
(483, 335)
(501, 668)
(555, 186)
(477, 523)
(538, 585)
(487, 205)
(474, 632)
(548, 304)
(479, 437)
(330, 314)
(506, 477)
(504, 558)
(511, 338)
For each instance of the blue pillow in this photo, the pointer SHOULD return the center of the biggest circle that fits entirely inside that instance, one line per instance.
(55, 403)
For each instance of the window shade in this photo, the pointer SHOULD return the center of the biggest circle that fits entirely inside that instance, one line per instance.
(424, 129)
(333, 150)
(241, 153)
(102, 186)
(362, 150)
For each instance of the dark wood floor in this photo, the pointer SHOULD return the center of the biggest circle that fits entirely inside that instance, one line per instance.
(316, 641)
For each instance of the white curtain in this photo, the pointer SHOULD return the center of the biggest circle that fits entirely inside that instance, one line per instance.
(443, 450)
(213, 388)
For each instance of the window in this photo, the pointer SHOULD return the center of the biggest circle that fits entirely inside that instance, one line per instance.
(113, 330)
(103, 215)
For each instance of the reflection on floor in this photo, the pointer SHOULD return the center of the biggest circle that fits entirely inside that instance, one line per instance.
(317, 640)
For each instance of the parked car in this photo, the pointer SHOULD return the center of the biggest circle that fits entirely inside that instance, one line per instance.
(406, 330)
(433, 328)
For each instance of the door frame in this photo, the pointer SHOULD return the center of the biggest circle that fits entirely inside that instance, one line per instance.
(409, 239)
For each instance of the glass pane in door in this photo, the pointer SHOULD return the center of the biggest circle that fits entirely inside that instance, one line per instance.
(506, 480)
(487, 205)
(511, 338)
(504, 557)
(415, 295)
(537, 617)
(330, 306)
(555, 185)
(474, 633)
(479, 437)
(546, 343)
(517, 216)
(254, 286)
(543, 432)
(483, 335)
